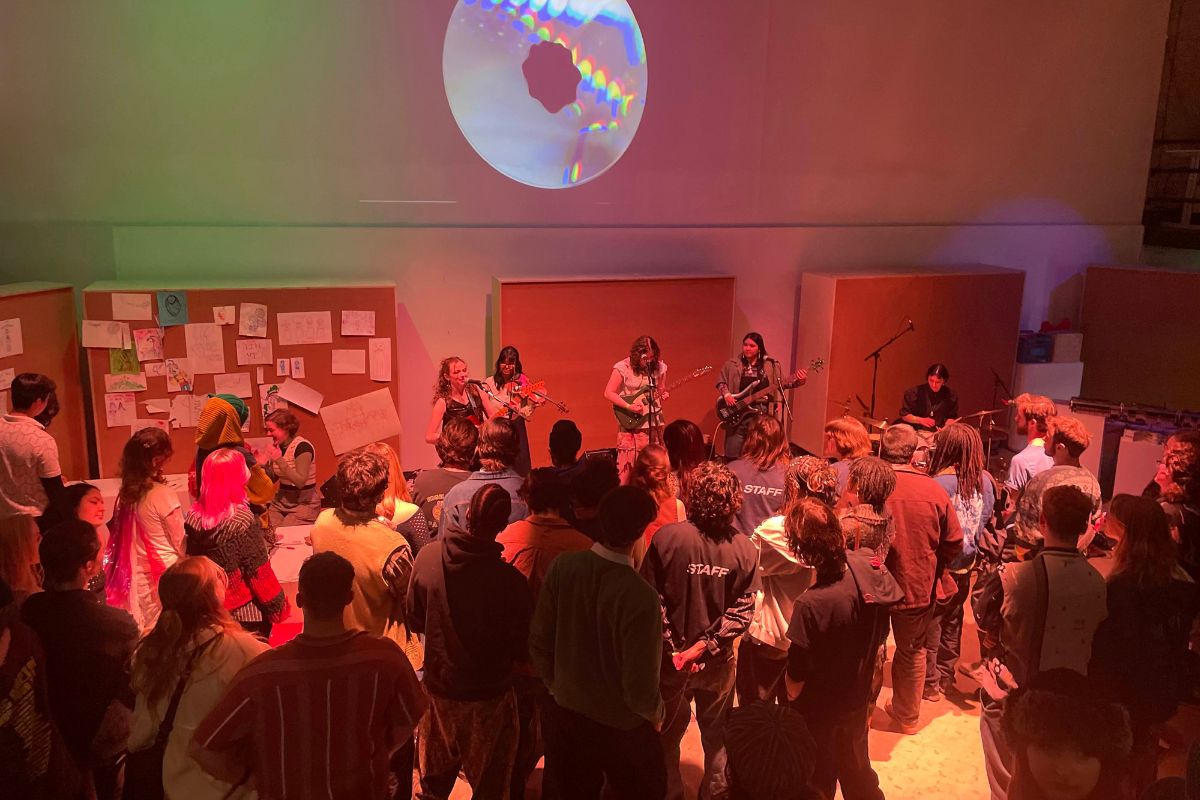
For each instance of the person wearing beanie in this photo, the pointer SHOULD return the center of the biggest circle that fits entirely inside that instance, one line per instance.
(770, 754)
(220, 426)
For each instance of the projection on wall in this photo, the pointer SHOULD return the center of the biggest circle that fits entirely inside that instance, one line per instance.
(548, 92)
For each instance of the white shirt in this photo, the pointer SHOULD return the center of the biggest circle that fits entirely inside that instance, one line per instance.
(27, 454)
(159, 543)
(1027, 463)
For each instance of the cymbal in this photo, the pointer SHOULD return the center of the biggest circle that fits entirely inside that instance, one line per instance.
(875, 423)
(981, 414)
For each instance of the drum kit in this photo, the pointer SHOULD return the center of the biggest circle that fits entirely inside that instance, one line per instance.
(989, 431)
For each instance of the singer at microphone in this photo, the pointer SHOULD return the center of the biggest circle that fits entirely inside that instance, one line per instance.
(746, 374)
(931, 405)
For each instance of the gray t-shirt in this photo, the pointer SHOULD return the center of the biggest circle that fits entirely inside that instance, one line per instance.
(1029, 505)
(762, 493)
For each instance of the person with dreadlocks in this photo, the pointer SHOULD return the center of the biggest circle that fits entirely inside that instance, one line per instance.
(771, 754)
(958, 466)
(836, 631)
(762, 653)
(865, 519)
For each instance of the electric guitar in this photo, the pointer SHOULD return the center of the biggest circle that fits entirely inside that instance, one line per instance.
(732, 415)
(629, 421)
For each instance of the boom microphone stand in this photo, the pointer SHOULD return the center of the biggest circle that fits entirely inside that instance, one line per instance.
(875, 354)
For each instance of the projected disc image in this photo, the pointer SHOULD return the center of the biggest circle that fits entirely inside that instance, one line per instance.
(548, 92)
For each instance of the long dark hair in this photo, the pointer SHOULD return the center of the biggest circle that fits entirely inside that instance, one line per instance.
(960, 447)
(940, 370)
(1146, 552)
(509, 353)
(641, 346)
(814, 534)
(139, 473)
(756, 337)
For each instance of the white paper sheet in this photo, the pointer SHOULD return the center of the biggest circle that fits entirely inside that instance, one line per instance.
(10, 338)
(283, 367)
(252, 320)
(179, 374)
(304, 396)
(349, 362)
(361, 420)
(155, 369)
(234, 383)
(125, 383)
(358, 323)
(298, 367)
(258, 375)
(379, 352)
(305, 327)
(268, 396)
(204, 347)
(185, 410)
(149, 344)
(157, 405)
(259, 445)
(254, 351)
(120, 408)
(6, 378)
(132, 306)
(96, 333)
(224, 315)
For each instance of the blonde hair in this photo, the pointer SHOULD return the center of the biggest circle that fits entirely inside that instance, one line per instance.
(652, 472)
(849, 437)
(397, 487)
(19, 554)
(1070, 433)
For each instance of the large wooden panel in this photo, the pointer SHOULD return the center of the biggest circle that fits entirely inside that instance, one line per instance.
(967, 319)
(377, 297)
(51, 347)
(570, 333)
(1141, 336)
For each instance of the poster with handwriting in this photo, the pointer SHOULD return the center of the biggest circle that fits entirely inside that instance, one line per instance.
(349, 362)
(179, 375)
(302, 395)
(305, 327)
(234, 383)
(125, 383)
(172, 308)
(120, 408)
(96, 333)
(6, 378)
(358, 323)
(224, 315)
(132, 306)
(10, 338)
(253, 320)
(205, 347)
(379, 352)
(124, 362)
(361, 420)
(149, 343)
(254, 351)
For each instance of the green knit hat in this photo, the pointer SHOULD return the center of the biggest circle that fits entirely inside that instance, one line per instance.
(239, 406)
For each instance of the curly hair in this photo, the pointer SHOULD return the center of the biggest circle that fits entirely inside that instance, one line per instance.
(642, 346)
(362, 478)
(809, 476)
(874, 480)
(765, 443)
(814, 534)
(1036, 409)
(849, 437)
(652, 472)
(141, 463)
(714, 496)
(1070, 433)
(1181, 460)
(959, 447)
(441, 388)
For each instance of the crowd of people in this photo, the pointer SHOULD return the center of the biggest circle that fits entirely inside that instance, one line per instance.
(488, 616)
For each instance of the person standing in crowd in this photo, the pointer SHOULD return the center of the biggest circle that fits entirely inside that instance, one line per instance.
(652, 472)
(220, 428)
(455, 447)
(762, 652)
(474, 612)
(454, 397)
(293, 463)
(197, 644)
(761, 470)
(19, 566)
(319, 716)
(1177, 487)
(836, 631)
(84, 501)
(771, 754)
(931, 405)
(396, 509)
(1037, 615)
(497, 453)
(863, 508)
(88, 646)
(753, 370)
(846, 441)
(706, 576)
(382, 558)
(597, 478)
(220, 526)
(596, 640)
(642, 372)
(146, 534)
(928, 539)
(957, 466)
(1034, 413)
(565, 443)
(30, 476)
(1065, 443)
(532, 545)
(504, 397)
(685, 445)
(1140, 651)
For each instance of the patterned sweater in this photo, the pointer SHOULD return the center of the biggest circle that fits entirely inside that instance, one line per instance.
(237, 546)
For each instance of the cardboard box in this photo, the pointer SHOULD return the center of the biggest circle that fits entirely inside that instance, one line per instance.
(1066, 347)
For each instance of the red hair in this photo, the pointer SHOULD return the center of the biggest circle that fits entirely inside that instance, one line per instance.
(223, 488)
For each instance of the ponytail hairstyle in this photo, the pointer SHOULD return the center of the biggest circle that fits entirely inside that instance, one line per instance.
(488, 514)
(652, 472)
(192, 592)
(223, 488)
(141, 463)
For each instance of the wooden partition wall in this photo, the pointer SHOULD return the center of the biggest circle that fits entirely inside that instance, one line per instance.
(966, 318)
(570, 333)
(1141, 336)
(50, 345)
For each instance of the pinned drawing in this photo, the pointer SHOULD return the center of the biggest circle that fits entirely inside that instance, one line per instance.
(179, 375)
(253, 320)
(254, 351)
(10, 338)
(149, 343)
(120, 408)
(358, 323)
(125, 383)
(132, 306)
(379, 353)
(96, 333)
(361, 420)
(224, 315)
(305, 327)
(268, 395)
(172, 308)
(123, 362)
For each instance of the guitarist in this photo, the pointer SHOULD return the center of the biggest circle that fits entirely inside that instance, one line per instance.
(502, 397)
(454, 396)
(752, 370)
(629, 376)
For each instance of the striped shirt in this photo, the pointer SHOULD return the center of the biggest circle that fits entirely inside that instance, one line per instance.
(318, 718)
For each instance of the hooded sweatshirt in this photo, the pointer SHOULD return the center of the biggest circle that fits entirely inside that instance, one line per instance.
(783, 579)
(474, 611)
(219, 427)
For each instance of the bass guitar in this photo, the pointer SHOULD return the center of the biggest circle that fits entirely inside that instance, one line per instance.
(629, 421)
(732, 415)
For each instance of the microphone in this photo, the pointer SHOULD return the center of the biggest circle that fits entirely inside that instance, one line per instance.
(911, 327)
(473, 382)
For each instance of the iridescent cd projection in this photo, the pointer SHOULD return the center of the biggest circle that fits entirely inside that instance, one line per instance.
(549, 92)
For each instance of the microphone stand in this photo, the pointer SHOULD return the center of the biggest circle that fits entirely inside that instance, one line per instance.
(786, 407)
(875, 354)
(652, 402)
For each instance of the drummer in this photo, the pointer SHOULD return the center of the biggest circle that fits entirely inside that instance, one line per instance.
(932, 405)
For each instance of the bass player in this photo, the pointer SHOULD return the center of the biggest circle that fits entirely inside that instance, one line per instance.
(749, 372)
(630, 376)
